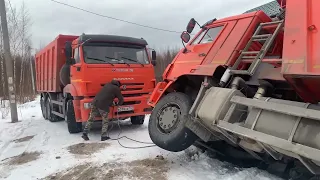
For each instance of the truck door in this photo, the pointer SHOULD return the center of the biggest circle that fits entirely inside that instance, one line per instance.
(201, 45)
(75, 69)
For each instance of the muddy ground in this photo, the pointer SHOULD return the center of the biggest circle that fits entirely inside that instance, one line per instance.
(23, 158)
(153, 169)
(24, 139)
(86, 148)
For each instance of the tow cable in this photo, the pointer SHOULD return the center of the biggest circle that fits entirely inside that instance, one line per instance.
(125, 137)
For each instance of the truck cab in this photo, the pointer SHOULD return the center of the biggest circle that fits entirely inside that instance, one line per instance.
(97, 59)
(212, 50)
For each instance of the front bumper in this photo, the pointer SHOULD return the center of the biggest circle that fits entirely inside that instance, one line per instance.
(133, 106)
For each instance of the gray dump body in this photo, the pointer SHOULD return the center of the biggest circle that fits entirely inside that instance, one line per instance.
(265, 125)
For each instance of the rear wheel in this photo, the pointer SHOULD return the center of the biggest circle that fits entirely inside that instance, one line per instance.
(167, 123)
(43, 107)
(73, 125)
(50, 116)
(137, 120)
(48, 108)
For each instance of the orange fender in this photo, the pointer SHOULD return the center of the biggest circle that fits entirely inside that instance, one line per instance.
(158, 92)
(71, 90)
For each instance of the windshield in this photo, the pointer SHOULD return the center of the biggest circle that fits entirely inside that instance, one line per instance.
(114, 54)
(208, 36)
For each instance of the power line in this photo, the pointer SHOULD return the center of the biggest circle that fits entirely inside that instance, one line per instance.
(109, 17)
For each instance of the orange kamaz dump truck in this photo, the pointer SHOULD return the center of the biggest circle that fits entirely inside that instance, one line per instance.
(72, 69)
(247, 86)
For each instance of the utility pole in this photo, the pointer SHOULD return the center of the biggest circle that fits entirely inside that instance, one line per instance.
(8, 61)
(31, 69)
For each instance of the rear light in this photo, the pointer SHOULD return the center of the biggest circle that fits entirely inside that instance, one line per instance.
(87, 105)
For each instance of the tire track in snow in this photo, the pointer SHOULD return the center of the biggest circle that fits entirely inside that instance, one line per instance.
(44, 138)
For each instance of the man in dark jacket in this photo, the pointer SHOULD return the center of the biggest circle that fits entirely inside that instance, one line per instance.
(101, 104)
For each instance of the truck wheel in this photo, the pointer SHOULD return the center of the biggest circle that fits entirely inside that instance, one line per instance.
(51, 117)
(48, 108)
(43, 107)
(167, 123)
(315, 178)
(137, 120)
(73, 125)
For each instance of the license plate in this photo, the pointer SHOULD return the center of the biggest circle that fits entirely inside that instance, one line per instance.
(128, 108)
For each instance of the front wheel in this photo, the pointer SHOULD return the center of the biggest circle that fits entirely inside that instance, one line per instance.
(73, 125)
(137, 120)
(167, 123)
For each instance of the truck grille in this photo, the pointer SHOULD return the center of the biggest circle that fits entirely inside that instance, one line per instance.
(134, 95)
(131, 103)
(131, 86)
(132, 89)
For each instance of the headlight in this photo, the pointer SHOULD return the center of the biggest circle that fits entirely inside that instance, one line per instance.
(87, 105)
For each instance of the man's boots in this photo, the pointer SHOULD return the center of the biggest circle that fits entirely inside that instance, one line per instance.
(85, 136)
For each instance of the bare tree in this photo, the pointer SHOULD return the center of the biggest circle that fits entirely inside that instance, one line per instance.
(20, 40)
(164, 58)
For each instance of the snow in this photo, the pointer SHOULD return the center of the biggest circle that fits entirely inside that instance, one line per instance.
(53, 140)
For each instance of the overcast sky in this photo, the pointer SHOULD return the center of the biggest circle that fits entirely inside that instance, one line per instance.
(50, 19)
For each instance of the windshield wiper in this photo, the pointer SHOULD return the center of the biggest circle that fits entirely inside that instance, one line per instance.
(101, 60)
(118, 60)
(133, 61)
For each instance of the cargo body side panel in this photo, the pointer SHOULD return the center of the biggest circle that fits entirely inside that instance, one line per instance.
(301, 55)
(48, 64)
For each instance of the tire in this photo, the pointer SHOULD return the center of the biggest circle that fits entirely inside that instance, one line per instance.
(73, 126)
(49, 107)
(43, 107)
(179, 137)
(137, 120)
(315, 178)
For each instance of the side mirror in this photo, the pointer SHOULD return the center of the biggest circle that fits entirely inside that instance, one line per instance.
(153, 55)
(72, 61)
(68, 53)
(191, 25)
(185, 36)
(154, 62)
(68, 50)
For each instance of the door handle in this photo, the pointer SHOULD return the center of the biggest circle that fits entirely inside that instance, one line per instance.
(78, 67)
(202, 54)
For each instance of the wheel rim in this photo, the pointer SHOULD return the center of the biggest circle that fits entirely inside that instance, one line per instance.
(168, 118)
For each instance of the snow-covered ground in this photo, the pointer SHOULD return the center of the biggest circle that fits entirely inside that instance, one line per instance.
(38, 149)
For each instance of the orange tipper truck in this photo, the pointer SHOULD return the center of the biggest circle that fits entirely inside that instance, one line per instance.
(72, 69)
(247, 86)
